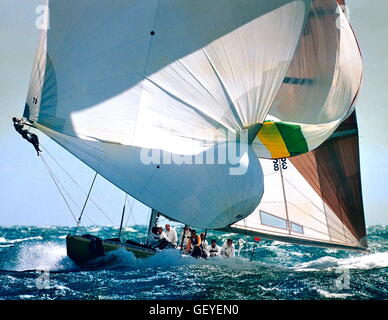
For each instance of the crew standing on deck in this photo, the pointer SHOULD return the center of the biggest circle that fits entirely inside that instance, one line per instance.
(171, 235)
(194, 245)
(227, 249)
(204, 245)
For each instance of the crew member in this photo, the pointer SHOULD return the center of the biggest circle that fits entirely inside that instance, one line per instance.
(30, 137)
(227, 249)
(185, 237)
(153, 238)
(194, 245)
(171, 235)
(214, 250)
(204, 246)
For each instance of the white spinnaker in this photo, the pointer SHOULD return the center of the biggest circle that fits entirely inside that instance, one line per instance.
(165, 74)
(323, 79)
(294, 214)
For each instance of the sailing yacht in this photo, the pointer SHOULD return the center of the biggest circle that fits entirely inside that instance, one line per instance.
(117, 84)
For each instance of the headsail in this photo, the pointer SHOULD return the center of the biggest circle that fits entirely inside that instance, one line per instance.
(115, 82)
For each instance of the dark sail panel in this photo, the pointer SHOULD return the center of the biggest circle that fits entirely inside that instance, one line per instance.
(333, 170)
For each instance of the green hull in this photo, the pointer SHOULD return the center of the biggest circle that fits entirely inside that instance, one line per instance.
(81, 251)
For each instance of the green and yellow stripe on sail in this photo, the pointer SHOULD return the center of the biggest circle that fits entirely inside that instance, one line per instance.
(282, 139)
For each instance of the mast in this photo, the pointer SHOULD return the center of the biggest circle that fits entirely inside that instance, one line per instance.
(153, 221)
(122, 216)
(283, 165)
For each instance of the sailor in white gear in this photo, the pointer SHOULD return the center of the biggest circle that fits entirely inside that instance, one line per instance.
(227, 249)
(214, 250)
(171, 235)
(162, 235)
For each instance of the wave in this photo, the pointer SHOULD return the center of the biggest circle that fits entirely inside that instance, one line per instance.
(3, 240)
(52, 256)
(123, 259)
(366, 262)
(333, 295)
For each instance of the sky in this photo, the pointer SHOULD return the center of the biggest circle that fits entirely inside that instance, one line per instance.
(28, 195)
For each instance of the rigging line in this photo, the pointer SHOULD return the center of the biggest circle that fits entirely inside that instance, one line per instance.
(94, 223)
(142, 236)
(62, 187)
(130, 212)
(77, 184)
(86, 200)
(59, 186)
(52, 176)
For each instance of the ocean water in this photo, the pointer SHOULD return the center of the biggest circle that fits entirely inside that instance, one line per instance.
(277, 270)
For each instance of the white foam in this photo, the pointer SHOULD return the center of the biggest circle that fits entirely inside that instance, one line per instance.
(21, 240)
(26, 296)
(43, 256)
(334, 295)
(365, 262)
(124, 258)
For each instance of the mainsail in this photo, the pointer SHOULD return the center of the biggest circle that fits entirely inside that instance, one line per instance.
(307, 202)
(116, 83)
(333, 171)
